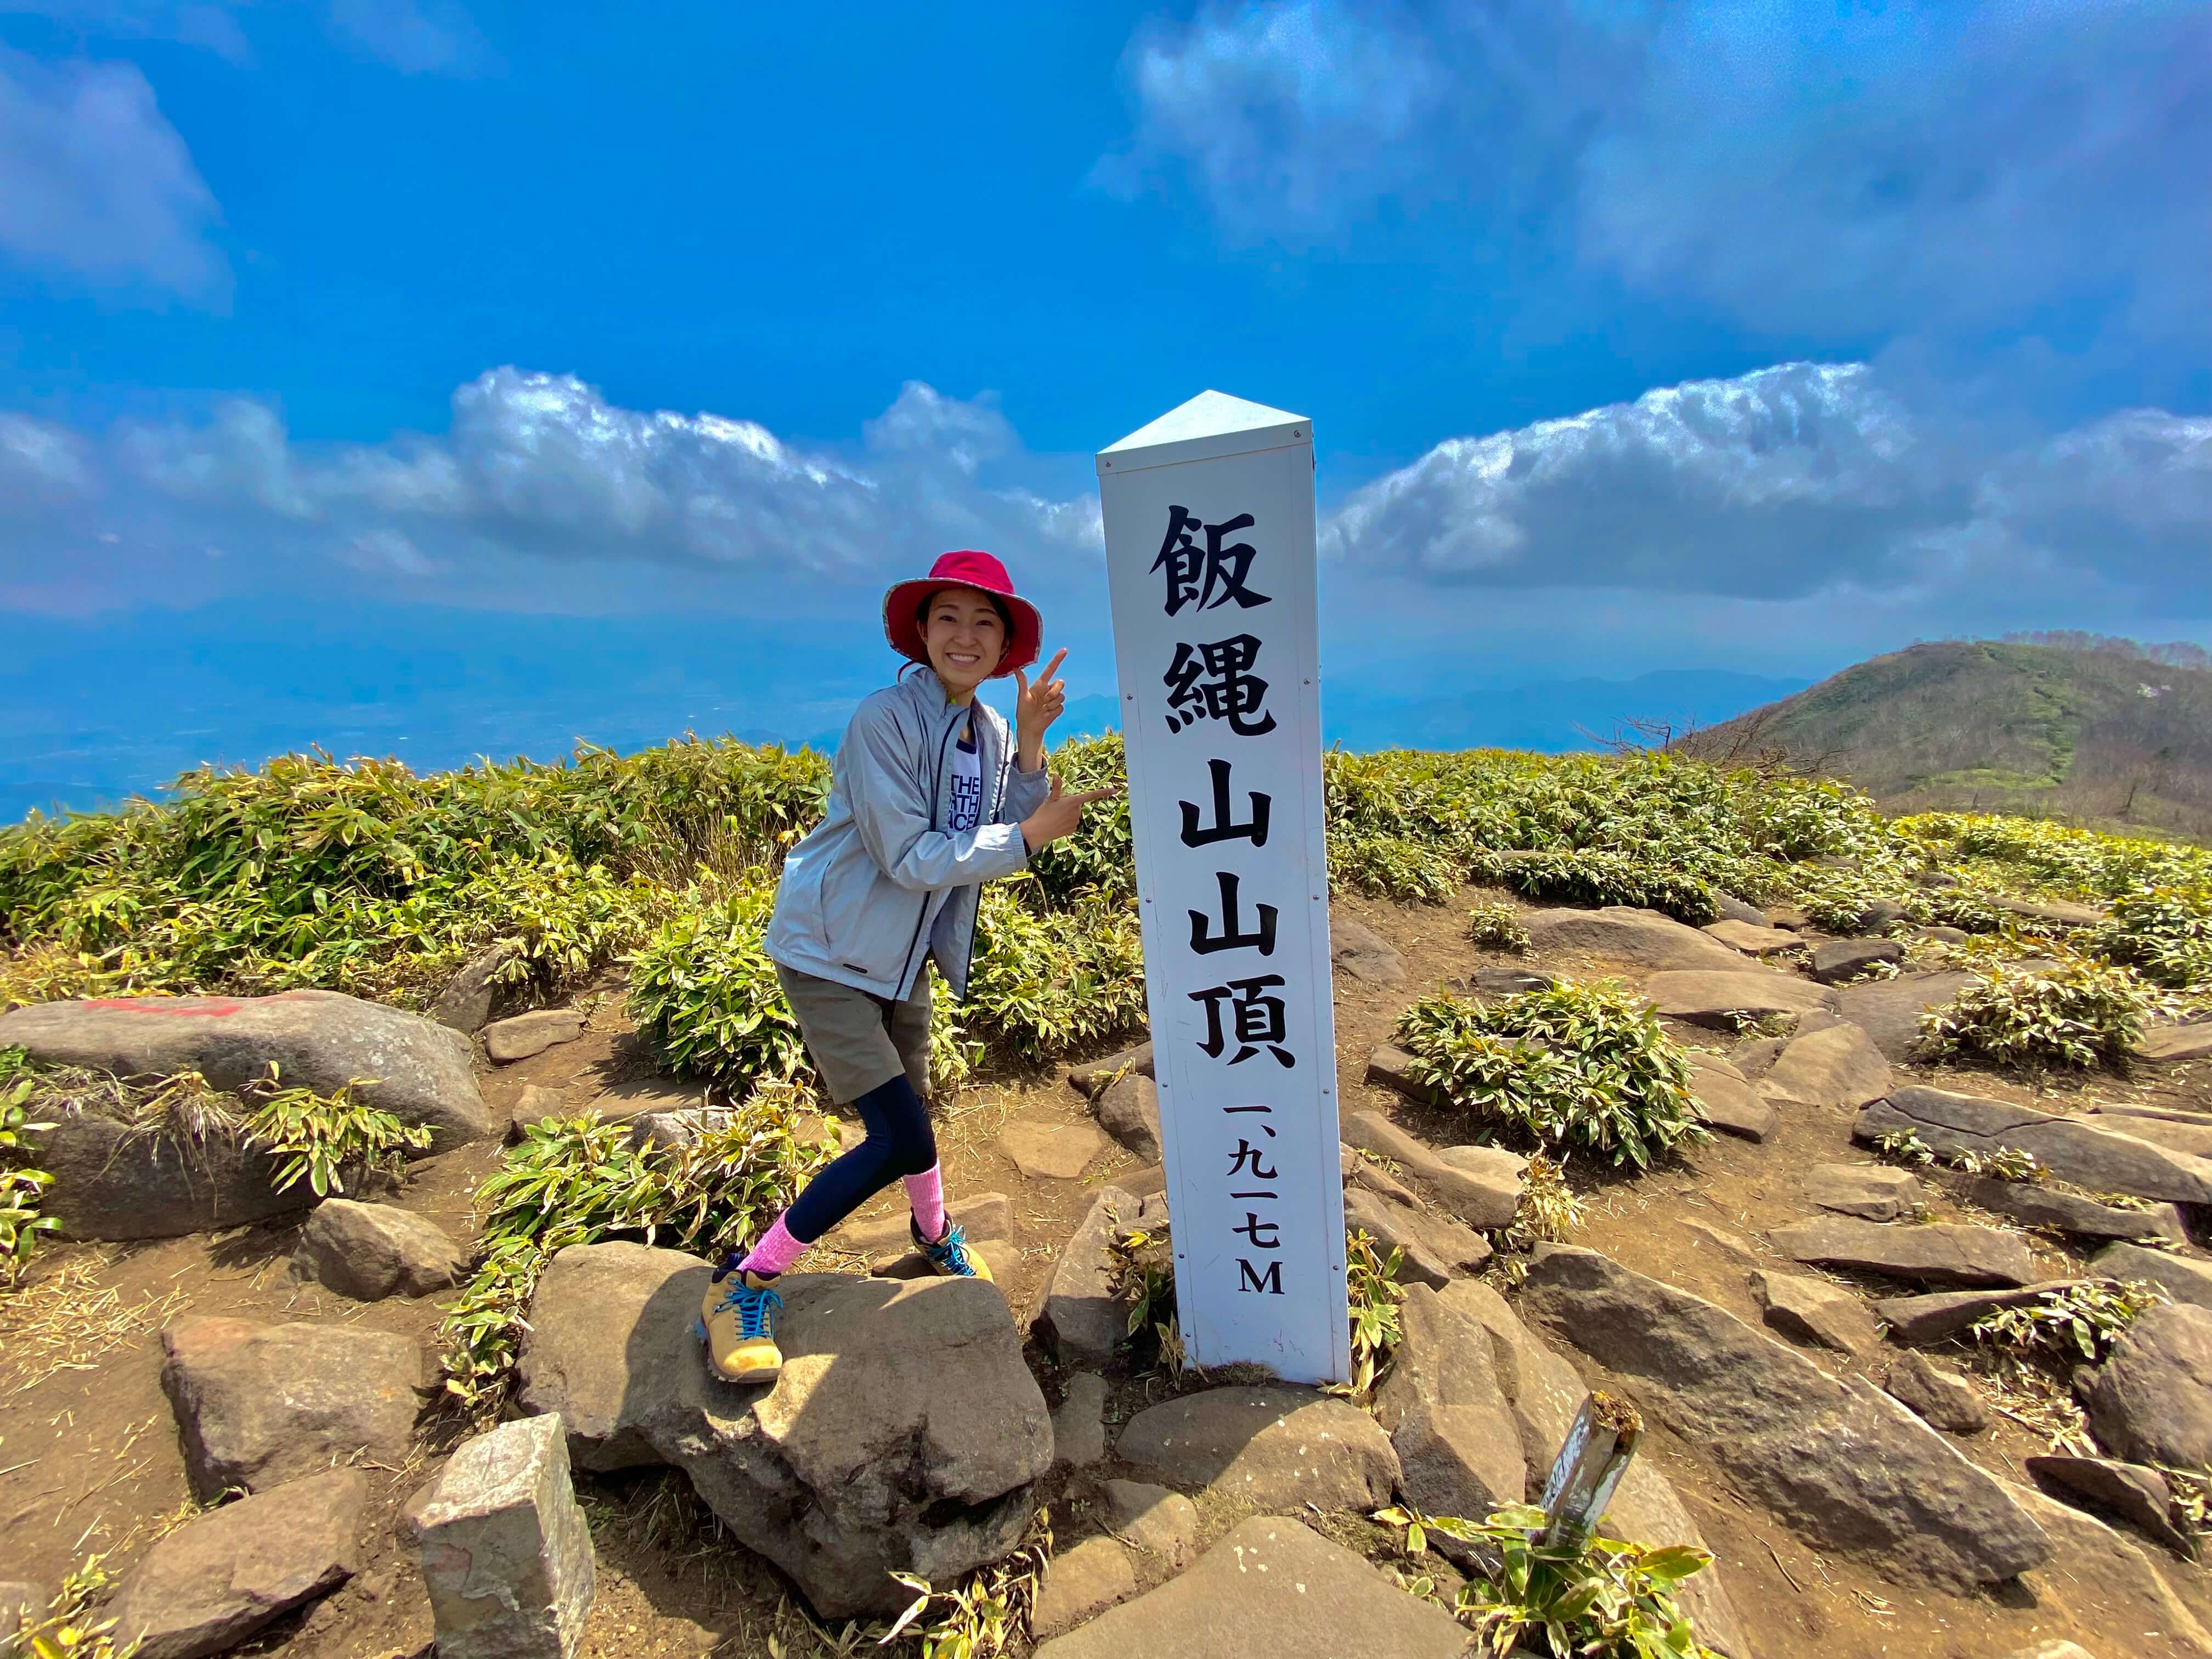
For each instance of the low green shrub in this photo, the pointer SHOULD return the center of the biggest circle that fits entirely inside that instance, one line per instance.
(2078, 1014)
(1573, 1065)
(1391, 866)
(1100, 857)
(2164, 933)
(1042, 981)
(1497, 927)
(2083, 1320)
(22, 1184)
(705, 994)
(579, 1181)
(1605, 1600)
(320, 1137)
(1600, 879)
(1373, 1293)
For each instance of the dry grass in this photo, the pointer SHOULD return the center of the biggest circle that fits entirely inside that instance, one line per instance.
(67, 1320)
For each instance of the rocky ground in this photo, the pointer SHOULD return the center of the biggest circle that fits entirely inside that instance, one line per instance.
(1734, 1292)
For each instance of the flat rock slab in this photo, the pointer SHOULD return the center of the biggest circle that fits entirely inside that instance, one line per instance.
(1080, 1585)
(1483, 1191)
(979, 1215)
(1051, 1151)
(424, 1072)
(1446, 1412)
(1269, 1589)
(2057, 912)
(2183, 1277)
(504, 1550)
(2097, 1159)
(1847, 1466)
(1889, 1010)
(1938, 1395)
(466, 1002)
(1277, 1447)
(2151, 1401)
(509, 1040)
(260, 1405)
(2179, 1134)
(1362, 952)
(1724, 998)
(1094, 1074)
(370, 1251)
(1933, 1255)
(1916, 1321)
(1724, 1100)
(2038, 1206)
(1129, 1110)
(1837, 960)
(2129, 1491)
(1434, 1248)
(904, 1433)
(220, 1576)
(1752, 941)
(1818, 1310)
(1642, 938)
(1836, 1067)
(1156, 1520)
(1077, 1311)
(2104, 1586)
(2174, 1043)
(1543, 1394)
(1079, 1426)
(1872, 1192)
(114, 1183)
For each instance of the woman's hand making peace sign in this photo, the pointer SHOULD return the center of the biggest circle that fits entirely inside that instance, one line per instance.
(1038, 705)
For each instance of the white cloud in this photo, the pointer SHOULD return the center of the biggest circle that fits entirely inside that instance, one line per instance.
(96, 183)
(1792, 482)
(1799, 168)
(42, 464)
(208, 23)
(416, 37)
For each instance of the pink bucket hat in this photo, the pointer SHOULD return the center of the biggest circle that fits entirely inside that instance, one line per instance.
(969, 567)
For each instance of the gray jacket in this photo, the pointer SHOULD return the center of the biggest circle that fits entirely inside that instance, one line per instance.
(877, 886)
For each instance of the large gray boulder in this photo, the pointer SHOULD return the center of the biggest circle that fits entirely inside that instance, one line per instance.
(1542, 1395)
(220, 1576)
(1849, 1468)
(1838, 1066)
(259, 1405)
(1811, 1310)
(1434, 1250)
(1447, 1417)
(1277, 1447)
(1077, 1311)
(2039, 1206)
(1725, 998)
(1641, 939)
(2099, 1159)
(2138, 1496)
(1936, 1254)
(115, 1181)
(1129, 1110)
(1889, 1010)
(1724, 1098)
(421, 1072)
(2151, 1401)
(2105, 1587)
(504, 1550)
(466, 1002)
(370, 1251)
(1481, 1185)
(2183, 1277)
(904, 1433)
(1269, 1589)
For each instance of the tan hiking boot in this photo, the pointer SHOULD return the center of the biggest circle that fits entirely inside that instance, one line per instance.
(737, 1322)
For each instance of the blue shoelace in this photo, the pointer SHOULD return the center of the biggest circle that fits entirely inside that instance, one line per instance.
(755, 1314)
(950, 1252)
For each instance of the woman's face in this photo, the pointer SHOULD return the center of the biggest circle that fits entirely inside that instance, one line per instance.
(964, 637)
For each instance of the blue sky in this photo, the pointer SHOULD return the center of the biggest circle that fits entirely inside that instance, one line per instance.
(1748, 338)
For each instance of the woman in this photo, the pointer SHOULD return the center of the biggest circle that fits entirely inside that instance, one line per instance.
(928, 799)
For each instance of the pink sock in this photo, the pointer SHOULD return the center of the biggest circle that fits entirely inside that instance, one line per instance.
(776, 1250)
(926, 1191)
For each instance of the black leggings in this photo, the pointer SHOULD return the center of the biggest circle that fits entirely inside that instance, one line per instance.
(900, 1143)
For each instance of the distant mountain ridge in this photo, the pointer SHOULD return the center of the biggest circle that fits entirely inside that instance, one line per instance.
(2103, 735)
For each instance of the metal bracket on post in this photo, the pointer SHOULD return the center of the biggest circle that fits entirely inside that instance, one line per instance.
(1590, 1467)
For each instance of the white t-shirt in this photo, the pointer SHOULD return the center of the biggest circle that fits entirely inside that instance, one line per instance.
(967, 784)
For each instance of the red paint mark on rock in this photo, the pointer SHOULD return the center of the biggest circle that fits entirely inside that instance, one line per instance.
(175, 1007)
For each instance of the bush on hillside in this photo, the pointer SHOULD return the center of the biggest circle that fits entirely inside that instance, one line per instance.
(1601, 879)
(1101, 856)
(705, 994)
(1391, 866)
(1497, 927)
(2164, 933)
(2077, 1014)
(1041, 980)
(1574, 1065)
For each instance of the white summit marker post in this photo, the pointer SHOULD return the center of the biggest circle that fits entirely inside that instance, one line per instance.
(1209, 517)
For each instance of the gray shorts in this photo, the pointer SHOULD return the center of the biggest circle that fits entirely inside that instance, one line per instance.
(860, 1042)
